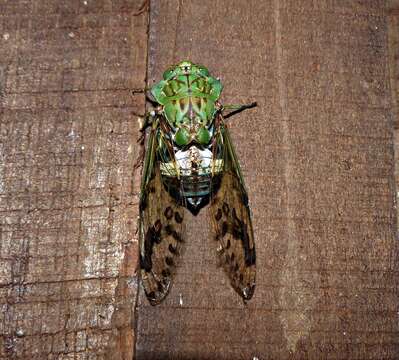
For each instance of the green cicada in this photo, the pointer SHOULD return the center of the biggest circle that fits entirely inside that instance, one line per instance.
(189, 162)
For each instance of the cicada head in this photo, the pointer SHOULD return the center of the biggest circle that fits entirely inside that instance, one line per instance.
(185, 68)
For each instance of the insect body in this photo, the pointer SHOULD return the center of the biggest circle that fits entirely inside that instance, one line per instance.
(190, 162)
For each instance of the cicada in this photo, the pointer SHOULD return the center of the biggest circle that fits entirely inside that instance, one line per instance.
(190, 162)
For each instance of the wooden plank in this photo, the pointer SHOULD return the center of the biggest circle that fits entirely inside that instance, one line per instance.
(317, 158)
(67, 201)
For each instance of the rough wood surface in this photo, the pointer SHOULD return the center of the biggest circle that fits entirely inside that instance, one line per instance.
(68, 203)
(317, 156)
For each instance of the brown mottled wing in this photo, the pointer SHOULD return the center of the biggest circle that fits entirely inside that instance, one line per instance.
(161, 228)
(231, 221)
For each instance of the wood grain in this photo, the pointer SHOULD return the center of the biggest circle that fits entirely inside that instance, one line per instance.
(317, 159)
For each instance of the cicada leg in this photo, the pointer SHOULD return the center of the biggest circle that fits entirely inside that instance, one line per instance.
(235, 108)
(239, 106)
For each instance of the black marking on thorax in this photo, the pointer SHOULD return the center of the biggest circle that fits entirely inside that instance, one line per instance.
(190, 103)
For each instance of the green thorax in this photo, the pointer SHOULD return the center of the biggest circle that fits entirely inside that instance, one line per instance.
(188, 95)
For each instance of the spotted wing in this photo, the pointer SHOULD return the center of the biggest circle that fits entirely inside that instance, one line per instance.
(161, 227)
(231, 220)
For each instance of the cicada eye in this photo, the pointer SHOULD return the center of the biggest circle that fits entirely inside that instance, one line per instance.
(168, 73)
(203, 70)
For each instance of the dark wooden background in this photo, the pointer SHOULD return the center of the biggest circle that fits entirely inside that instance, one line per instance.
(317, 154)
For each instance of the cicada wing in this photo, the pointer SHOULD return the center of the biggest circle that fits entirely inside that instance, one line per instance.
(161, 228)
(231, 221)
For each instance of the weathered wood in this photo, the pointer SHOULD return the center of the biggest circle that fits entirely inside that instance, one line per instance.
(317, 155)
(317, 158)
(68, 202)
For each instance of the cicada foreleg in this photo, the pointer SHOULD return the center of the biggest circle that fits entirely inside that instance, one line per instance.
(235, 108)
